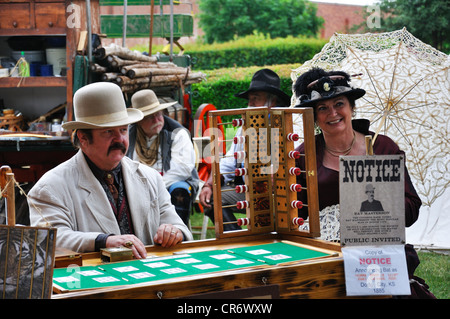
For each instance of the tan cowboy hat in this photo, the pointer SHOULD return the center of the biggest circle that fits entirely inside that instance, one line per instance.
(147, 102)
(100, 105)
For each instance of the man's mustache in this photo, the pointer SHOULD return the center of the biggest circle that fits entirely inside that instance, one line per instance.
(157, 125)
(117, 146)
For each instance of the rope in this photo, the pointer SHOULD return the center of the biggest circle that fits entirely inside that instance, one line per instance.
(22, 192)
(15, 67)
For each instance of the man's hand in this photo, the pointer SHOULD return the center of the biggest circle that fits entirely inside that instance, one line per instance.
(168, 236)
(129, 241)
(205, 196)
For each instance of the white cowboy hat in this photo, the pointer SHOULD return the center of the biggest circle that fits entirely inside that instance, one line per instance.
(147, 102)
(100, 105)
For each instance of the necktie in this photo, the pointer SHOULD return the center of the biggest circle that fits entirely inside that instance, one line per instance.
(109, 179)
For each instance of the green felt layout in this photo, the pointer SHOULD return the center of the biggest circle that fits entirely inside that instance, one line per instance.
(277, 253)
(159, 268)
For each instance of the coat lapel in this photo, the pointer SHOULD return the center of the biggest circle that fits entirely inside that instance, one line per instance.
(97, 203)
(138, 196)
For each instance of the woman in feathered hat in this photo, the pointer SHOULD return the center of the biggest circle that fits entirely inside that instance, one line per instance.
(333, 101)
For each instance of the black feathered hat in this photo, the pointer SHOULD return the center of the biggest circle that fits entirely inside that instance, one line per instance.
(317, 84)
(268, 81)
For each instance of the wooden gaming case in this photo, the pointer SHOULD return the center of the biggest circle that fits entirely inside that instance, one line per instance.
(270, 174)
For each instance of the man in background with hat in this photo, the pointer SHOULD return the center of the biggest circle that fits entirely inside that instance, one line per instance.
(264, 91)
(165, 145)
(100, 198)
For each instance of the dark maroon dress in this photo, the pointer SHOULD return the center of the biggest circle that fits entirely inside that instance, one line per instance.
(328, 179)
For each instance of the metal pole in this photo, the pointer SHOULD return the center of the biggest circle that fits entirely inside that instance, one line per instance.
(171, 30)
(89, 29)
(124, 27)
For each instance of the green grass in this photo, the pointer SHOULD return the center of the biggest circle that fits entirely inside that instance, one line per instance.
(197, 221)
(434, 268)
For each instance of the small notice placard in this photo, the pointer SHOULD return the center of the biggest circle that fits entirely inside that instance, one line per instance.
(372, 209)
(372, 200)
(376, 270)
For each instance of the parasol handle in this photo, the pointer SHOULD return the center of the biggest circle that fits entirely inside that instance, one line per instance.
(7, 180)
(369, 145)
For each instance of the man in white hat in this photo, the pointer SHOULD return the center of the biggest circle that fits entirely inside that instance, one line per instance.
(165, 145)
(100, 198)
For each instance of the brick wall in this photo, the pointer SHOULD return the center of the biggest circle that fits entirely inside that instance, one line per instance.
(338, 18)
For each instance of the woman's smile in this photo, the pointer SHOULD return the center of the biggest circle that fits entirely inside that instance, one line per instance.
(335, 121)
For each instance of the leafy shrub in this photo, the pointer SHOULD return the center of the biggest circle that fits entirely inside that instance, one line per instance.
(255, 50)
(221, 85)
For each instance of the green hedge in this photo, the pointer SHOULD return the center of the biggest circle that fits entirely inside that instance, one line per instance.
(221, 85)
(253, 50)
(230, 66)
(259, 53)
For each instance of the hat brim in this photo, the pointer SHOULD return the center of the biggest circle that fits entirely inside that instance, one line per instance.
(284, 97)
(133, 117)
(355, 93)
(156, 109)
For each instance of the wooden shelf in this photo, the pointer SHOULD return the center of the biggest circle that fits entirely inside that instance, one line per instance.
(46, 32)
(33, 81)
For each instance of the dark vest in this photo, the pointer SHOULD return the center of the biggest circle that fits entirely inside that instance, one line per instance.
(166, 140)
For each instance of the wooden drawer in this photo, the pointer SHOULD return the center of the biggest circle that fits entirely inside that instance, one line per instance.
(50, 15)
(15, 16)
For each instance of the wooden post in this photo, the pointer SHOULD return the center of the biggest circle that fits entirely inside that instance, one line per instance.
(152, 9)
(7, 180)
(369, 146)
(11, 201)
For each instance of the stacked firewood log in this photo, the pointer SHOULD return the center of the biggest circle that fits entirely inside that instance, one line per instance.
(134, 71)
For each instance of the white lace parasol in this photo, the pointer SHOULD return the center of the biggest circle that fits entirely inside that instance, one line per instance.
(329, 224)
(408, 97)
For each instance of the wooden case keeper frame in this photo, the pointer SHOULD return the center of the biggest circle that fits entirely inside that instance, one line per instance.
(269, 160)
(27, 254)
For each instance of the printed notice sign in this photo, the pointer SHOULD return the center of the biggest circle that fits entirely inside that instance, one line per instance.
(371, 270)
(372, 200)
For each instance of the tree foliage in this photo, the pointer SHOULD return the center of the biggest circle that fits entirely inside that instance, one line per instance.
(224, 20)
(428, 20)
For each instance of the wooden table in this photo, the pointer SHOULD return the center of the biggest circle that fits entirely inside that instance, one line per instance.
(314, 278)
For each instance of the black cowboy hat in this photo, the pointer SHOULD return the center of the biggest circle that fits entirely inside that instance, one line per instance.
(268, 81)
(317, 85)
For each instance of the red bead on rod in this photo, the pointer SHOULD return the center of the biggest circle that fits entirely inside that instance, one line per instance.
(292, 137)
(241, 188)
(239, 155)
(237, 122)
(298, 221)
(294, 154)
(243, 221)
(295, 188)
(295, 171)
(240, 171)
(296, 204)
(239, 139)
(242, 204)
